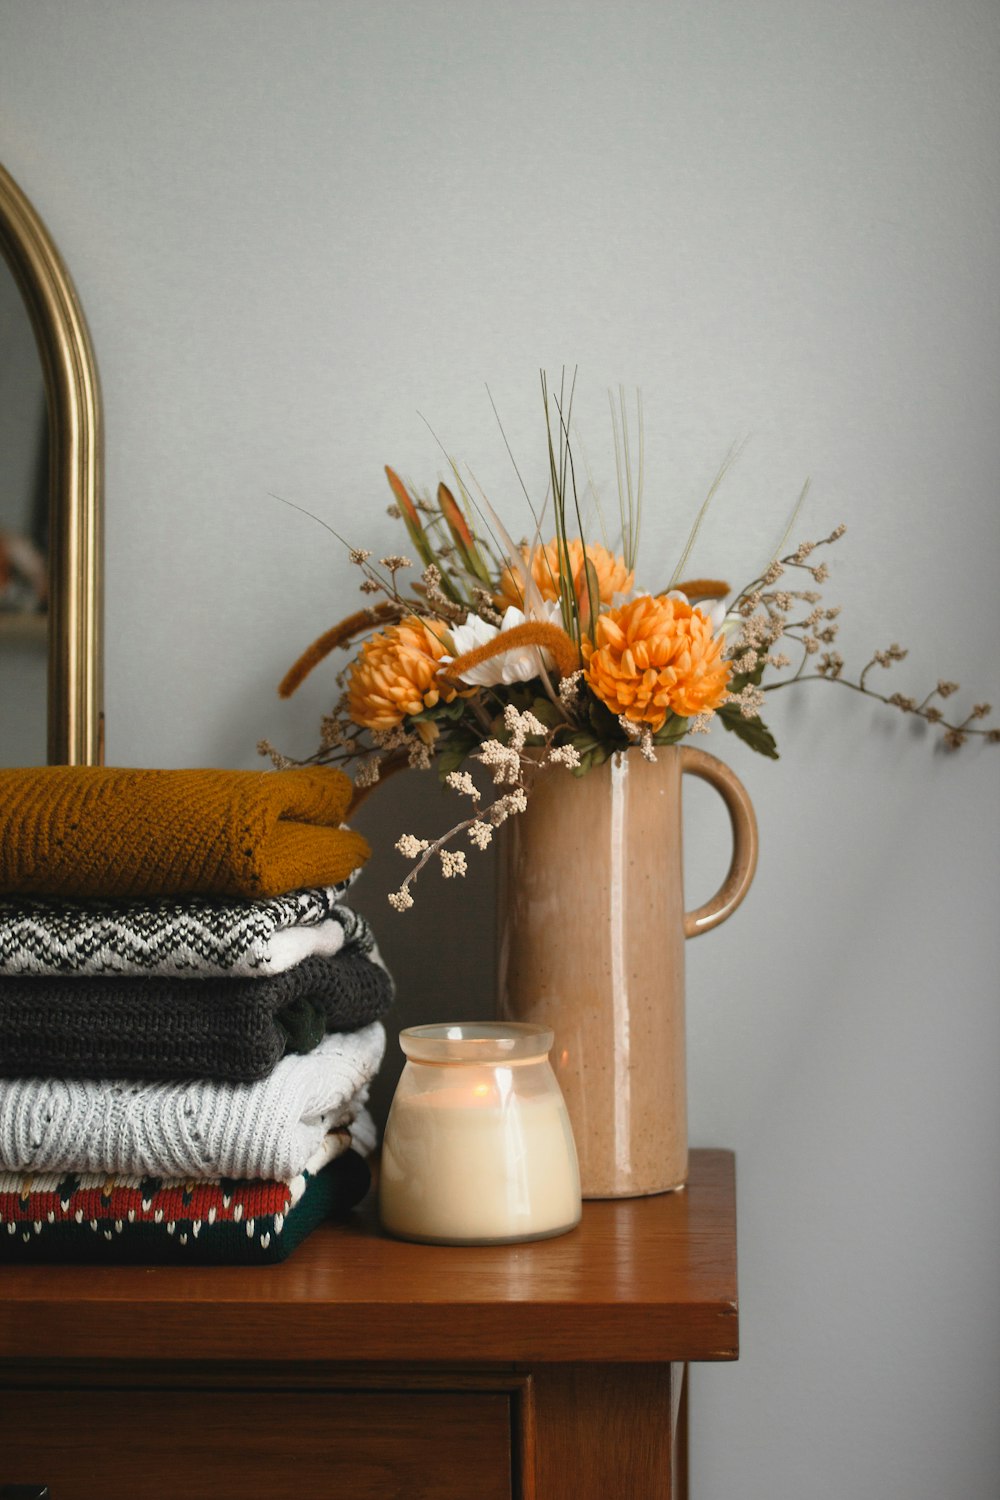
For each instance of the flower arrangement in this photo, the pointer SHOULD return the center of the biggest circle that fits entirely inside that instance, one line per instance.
(518, 657)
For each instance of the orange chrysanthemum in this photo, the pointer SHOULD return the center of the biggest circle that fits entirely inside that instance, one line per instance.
(612, 575)
(396, 673)
(654, 656)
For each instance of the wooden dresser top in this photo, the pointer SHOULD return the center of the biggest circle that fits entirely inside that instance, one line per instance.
(641, 1279)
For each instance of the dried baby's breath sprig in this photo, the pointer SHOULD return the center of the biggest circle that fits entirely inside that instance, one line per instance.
(278, 761)
(522, 726)
(508, 764)
(831, 669)
(453, 862)
(760, 614)
(502, 760)
(410, 847)
(434, 595)
(749, 700)
(485, 608)
(569, 692)
(369, 773)
(416, 743)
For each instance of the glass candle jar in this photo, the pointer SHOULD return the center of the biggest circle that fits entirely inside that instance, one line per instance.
(478, 1148)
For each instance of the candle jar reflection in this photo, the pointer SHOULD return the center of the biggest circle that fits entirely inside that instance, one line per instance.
(478, 1147)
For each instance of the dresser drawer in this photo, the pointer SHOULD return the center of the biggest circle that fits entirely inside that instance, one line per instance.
(106, 1443)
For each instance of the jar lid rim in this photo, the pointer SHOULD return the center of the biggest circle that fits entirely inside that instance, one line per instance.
(476, 1041)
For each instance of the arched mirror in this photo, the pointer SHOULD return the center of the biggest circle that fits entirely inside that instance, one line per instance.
(51, 615)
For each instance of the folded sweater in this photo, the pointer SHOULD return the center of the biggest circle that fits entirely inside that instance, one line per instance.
(155, 1028)
(94, 1219)
(194, 1129)
(187, 937)
(107, 831)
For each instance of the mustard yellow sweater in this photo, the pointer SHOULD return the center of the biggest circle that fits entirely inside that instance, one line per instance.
(108, 832)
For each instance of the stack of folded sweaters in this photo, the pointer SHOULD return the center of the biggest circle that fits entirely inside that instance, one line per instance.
(189, 1013)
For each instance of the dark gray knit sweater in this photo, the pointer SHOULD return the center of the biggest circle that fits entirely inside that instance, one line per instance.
(158, 1028)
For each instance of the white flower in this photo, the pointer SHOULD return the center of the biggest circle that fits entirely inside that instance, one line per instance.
(520, 664)
(715, 612)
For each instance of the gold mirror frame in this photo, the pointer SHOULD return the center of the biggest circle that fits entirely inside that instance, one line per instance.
(76, 612)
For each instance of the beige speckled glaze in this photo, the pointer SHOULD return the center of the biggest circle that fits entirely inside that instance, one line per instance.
(592, 929)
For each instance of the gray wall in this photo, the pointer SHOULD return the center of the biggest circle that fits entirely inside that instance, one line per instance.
(300, 228)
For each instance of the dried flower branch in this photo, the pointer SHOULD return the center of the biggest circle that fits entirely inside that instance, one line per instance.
(512, 764)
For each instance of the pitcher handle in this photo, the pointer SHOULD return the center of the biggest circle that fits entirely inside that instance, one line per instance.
(744, 824)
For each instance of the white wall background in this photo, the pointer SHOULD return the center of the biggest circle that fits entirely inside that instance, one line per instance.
(297, 228)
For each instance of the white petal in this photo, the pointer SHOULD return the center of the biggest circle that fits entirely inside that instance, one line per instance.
(520, 664)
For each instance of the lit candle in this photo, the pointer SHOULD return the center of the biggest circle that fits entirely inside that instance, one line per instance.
(478, 1146)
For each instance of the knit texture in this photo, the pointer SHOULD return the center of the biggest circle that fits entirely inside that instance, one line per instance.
(186, 937)
(219, 1222)
(193, 1129)
(106, 831)
(235, 1029)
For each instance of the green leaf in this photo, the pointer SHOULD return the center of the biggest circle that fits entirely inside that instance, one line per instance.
(456, 748)
(596, 755)
(449, 712)
(753, 732)
(546, 712)
(604, 723)
(674, 729)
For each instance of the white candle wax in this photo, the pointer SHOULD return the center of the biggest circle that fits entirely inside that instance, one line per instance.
(476, 1162)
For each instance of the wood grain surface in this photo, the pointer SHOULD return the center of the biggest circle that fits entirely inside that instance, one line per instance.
(642, 1279)
(133, 1444)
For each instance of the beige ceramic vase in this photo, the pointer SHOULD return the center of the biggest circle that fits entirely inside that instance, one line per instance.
(591, 936)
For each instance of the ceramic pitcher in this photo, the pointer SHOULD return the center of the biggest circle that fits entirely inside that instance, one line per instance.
(591, 943)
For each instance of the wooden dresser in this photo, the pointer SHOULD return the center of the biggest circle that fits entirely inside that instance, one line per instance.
(372, 1369)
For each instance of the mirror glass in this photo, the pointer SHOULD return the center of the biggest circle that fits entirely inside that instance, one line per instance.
(51, 446)
(24, 524)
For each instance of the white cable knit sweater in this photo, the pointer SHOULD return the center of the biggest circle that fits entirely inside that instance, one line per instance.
(198, 1129)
